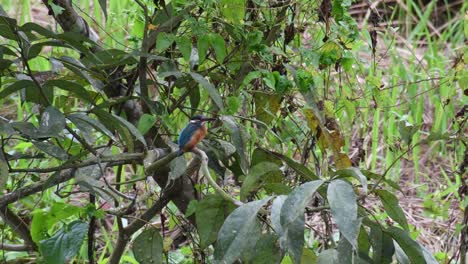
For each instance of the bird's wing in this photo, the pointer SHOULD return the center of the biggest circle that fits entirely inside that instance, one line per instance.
(186, 134)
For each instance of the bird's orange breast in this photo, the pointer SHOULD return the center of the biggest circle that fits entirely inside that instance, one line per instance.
(196, 137)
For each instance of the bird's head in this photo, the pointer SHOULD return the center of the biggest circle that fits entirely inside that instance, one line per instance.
(200, 119)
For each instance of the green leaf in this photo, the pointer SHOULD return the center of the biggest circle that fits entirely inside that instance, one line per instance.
(52, 122)
(81, 70)
(329, 256)
(355, 173)
(18, 85)
(75, 89)
(266, 105)
(240, 232)
(261, 155)
(103, 5)
(164, 41)
(392, 207)
(237, 138)
(185, 46)
(212, 91)
(292, 235)
(292, 218)
(45, 219)
(177, 168)
(233, 11)
(6, 128)
(51, 149)
(210, 214)
(411, 248)
(133, 130)
(30, 26)
(80, 117)
(145, 123)
(64, 244)
(34, 95)
(345, 251)
(342, 200)
(148, 247)
(265, 251)
(300, 169)
(203, 43)
(26, 128)
(217, 42)
(382, 245)
(254, 177)
(56, 9)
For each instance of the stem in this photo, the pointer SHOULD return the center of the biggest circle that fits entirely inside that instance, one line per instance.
(211, 181)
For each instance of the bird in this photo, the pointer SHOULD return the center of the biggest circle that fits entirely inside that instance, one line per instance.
(193, 133)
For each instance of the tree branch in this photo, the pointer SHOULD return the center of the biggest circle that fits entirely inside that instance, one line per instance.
(17, 225)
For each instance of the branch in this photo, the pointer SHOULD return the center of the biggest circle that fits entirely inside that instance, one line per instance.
(65, 175)
(17, 225)
(126, 233)
(11, 247)
(123, 158)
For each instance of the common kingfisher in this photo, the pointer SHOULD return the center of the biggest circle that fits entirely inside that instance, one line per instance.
(193, 133)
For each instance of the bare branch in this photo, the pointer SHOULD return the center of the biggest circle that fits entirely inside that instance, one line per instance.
(17, 225)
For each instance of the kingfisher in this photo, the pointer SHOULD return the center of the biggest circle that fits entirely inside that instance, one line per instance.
(193, 133)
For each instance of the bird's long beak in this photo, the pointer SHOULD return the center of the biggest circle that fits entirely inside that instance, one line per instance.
(208, 119)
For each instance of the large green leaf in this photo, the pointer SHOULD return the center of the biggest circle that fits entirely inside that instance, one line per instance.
(145, 123)
(300, 169)
(329, 256)
(382, 245)
(265, 251)
(75, 89)
(43, 220)
(343, 205)
(233, 11)
(240, 232)
(258, 174)
(411, 248)
(78, 118)
(185, 47)
(18, 85)
(292, 235)
(133, 130)
(292, 218)
(52, 122)
(51, 149)
(392, 207)
(148, 247)
(209, 215)
(64, 244)
(164, 41)
(203, 43)
(355, 173)
(212, 91)
(217, 42)
(177, 168)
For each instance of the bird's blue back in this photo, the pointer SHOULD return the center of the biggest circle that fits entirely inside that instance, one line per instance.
(187, 133)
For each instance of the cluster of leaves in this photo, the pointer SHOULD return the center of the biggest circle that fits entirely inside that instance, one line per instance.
(238, 60)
